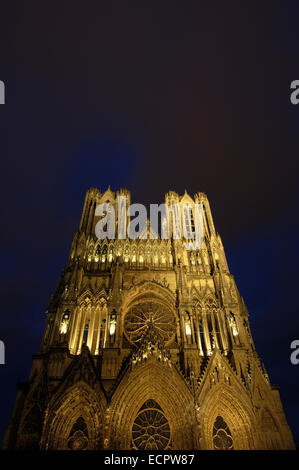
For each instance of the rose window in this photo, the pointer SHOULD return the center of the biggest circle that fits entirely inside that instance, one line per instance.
(139, 317)
(150, 430)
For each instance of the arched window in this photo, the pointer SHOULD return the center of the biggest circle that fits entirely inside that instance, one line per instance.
(126, 254)
(78, 437)
(104, 254)
(188, 222)
(222, 438)
(102, 333)
(97, 254)
(150, 430)
(85, 332)
(201, 334)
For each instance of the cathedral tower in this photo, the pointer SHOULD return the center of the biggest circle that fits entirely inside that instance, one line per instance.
(147, 345)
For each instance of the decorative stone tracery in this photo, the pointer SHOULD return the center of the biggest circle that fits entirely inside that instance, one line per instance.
(138, 317)
(151, 429)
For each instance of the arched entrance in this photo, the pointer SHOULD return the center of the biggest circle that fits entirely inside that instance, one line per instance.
(74, 421)
(152, 408)
(227, 421)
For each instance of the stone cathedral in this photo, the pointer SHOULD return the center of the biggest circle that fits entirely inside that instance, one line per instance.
(147, 345)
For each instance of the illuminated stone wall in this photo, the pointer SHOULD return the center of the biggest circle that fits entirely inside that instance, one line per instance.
(147, 345)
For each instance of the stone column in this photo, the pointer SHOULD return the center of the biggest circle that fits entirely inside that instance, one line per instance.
(74, 331)
(91, 328)
(81, 331)
(223, 338)
(198, 336)
(214, 330)
(206, 332)
(97, 329)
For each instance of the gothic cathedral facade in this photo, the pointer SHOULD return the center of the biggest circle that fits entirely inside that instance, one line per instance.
(147, 345)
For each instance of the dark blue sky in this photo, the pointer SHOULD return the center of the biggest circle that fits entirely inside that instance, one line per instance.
(151, 97)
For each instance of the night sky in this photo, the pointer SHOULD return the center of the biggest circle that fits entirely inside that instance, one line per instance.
(152, 96)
